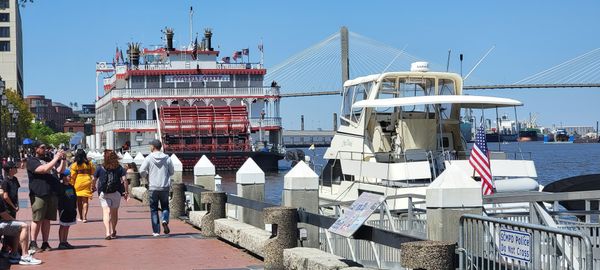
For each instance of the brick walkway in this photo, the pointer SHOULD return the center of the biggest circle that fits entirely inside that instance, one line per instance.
(135, 248)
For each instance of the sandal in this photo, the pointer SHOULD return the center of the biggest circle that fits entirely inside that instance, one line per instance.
(108, 238)
(114, 235)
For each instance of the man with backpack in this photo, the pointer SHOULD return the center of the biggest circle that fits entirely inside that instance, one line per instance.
(158, 168)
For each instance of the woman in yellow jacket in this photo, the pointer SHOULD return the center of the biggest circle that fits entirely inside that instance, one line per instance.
(82, 171)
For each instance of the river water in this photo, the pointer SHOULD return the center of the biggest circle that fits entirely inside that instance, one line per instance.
(552, 161)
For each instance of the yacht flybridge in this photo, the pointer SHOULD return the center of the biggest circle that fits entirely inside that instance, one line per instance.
(400, 130)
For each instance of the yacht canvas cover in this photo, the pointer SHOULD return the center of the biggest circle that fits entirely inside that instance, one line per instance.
(482, 102)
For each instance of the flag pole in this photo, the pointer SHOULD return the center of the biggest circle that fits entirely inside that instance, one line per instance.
(191, 25)
(262, 53)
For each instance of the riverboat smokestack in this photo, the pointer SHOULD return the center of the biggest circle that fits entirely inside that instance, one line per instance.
(133, 51)
(208, 37)
(169, 33)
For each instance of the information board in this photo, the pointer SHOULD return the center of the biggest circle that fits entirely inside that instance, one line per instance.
(515, 245)
(357, 214)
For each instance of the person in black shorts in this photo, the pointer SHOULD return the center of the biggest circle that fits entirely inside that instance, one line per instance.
(67, 205)
(10, 187)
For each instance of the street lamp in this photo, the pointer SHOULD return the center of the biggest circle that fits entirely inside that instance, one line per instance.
(16, 139)
(3, 103)
(11, 109)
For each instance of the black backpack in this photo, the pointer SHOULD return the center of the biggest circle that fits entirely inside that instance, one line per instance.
(113, 182)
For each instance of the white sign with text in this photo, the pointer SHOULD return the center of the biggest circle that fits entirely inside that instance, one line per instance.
(515, 245)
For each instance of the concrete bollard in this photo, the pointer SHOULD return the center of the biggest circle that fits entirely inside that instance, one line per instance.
(451, 195)
(215, 210)
(431, 255)
(204, 175)
(138, 159)
(250, 180)
(178, 176)
(127, 158)
(284, 234)
(133, 179)
(301, 190)
(177, 203)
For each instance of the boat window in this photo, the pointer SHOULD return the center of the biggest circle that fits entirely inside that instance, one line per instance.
(360, 93)
(347, 106)
(352, 95)
(446, 87)
(416, 87)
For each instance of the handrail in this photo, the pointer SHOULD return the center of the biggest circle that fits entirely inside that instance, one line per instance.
(391, 197)
(541, 197)
(365, 232)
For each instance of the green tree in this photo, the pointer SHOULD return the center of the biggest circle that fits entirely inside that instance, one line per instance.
(58, 138)
(25, 116)
(40, 131)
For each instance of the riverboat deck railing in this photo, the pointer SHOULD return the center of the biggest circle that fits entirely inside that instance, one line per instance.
(185, 93)
(255, 123)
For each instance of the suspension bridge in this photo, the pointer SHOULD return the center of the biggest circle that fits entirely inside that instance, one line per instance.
(316, 70)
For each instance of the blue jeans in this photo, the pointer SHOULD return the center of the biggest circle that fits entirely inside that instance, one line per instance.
(157, 196)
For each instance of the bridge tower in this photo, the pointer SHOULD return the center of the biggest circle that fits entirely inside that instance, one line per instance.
(345, 59)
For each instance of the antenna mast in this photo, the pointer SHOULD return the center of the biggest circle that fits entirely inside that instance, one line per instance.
(191, 25)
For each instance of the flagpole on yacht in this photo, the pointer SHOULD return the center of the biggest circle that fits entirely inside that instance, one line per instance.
(191, 25)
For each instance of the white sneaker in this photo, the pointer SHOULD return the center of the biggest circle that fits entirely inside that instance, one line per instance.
(29, 260)
(155, 235)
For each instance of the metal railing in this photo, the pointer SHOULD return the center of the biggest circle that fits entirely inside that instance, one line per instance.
(127, 124)
(373, 245)
(483, 245)
(265, 122)
(174, 93)
(151, 124)
(412, 223)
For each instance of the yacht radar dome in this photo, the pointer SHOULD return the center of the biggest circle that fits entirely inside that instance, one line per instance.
(419, 67)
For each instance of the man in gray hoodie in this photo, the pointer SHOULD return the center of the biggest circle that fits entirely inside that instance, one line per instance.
(158, 168)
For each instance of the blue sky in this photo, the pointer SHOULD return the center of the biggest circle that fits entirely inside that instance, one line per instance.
(63, 40)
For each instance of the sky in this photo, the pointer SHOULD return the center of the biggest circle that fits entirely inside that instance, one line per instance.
(64, 39)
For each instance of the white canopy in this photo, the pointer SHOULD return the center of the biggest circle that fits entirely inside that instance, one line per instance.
(480, 102)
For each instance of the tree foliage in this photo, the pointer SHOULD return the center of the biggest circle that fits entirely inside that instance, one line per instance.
(25, 116)
(45, 134)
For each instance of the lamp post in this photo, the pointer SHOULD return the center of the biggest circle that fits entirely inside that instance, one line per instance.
(16, 118)
(11, 109)
(3, 102)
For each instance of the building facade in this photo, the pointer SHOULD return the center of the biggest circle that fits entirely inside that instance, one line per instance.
(53, 114)
(11, 48)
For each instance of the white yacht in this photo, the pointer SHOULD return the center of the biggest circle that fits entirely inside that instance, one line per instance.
(400, 130)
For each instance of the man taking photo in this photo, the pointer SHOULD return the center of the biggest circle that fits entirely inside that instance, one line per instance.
(43, 170)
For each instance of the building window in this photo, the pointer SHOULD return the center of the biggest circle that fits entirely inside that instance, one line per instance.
(140, 114)
(4, 17)
(4, 4)
(4, 31)
(4, 46)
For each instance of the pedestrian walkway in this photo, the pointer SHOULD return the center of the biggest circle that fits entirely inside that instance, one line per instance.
(135, 248)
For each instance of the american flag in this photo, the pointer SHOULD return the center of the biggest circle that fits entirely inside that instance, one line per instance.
(480, 160)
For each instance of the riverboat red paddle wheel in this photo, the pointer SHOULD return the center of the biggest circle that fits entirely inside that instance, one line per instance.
(207, 129)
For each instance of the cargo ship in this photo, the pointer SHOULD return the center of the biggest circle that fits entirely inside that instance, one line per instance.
(194, 102)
